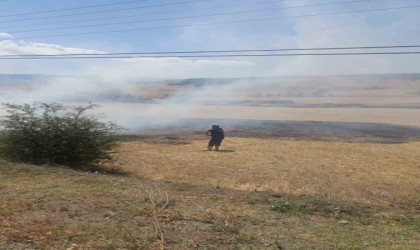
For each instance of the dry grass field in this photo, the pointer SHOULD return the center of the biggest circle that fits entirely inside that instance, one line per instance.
(381, 174)
(257, 193)
(309, 163)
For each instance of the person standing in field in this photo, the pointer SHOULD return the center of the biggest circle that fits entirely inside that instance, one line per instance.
(217, 136)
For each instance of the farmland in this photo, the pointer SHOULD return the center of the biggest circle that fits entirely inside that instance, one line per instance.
(258, 192)
(300, 168)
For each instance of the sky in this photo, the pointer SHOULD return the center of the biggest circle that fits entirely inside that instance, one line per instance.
(392, 27)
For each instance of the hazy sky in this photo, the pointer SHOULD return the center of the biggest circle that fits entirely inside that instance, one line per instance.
(395, 27)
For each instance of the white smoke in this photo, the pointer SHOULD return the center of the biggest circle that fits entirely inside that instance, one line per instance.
(90, 79)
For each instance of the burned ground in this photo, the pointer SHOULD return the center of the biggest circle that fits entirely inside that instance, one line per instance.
(185, 129)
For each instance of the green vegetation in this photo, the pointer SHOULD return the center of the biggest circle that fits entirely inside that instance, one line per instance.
(53, 134)
(282, 206)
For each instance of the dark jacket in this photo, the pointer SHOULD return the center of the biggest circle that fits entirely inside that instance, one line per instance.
(217, 134)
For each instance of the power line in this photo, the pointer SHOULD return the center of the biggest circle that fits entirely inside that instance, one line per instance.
(213, 23)
(104, 11)
(123, 9)
(146, 14)
(194, 16)
(73, 8)
(215, 56)
(218, 51)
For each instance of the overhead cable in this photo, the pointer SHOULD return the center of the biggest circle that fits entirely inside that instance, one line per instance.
(73, 8)
(216, 51)
(213, 56)
(212, 23)
(145, 14)
(186, 17)
(102, 11)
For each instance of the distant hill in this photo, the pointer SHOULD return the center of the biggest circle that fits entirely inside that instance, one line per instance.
(284, 88)
(7, 79)
(198, 82)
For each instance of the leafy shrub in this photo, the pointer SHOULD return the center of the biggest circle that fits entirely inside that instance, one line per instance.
(54, 134)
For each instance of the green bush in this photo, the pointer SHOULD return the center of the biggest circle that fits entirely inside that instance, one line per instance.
(54, 134)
